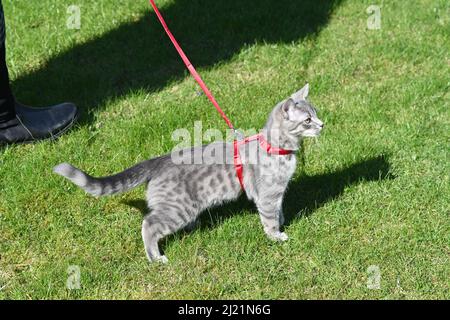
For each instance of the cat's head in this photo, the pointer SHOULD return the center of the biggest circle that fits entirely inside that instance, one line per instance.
(298, 117)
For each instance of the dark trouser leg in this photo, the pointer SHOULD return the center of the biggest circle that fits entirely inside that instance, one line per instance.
(6, 98)
(19, 123)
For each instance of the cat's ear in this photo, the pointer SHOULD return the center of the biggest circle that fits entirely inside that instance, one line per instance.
(286, 108)
(301, 94)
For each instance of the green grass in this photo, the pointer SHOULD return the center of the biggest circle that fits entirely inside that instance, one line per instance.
(372, 190)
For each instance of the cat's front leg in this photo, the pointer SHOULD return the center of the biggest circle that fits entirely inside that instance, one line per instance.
(271, 215)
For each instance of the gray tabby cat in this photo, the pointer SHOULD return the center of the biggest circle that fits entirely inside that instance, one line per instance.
(178, 191)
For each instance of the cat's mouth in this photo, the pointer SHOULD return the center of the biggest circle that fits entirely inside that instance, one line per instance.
(312, 134)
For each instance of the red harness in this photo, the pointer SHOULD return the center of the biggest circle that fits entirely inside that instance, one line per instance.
(262, 141)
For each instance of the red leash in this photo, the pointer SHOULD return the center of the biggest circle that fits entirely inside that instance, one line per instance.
(262, 141)
(190, 66)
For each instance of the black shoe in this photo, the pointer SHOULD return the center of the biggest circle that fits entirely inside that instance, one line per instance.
(34, 124)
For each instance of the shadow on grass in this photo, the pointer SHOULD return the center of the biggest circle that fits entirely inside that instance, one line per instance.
(308, 193)
(139, 56)
(304, 195)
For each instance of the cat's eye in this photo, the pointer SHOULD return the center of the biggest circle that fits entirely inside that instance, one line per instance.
(308, 121)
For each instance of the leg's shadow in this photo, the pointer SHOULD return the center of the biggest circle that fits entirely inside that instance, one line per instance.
(305, 194)
(139, 204)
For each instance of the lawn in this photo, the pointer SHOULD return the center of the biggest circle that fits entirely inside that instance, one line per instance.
(367, 210)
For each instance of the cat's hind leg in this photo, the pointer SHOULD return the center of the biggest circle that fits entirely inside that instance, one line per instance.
(158, 224)
(151, 234)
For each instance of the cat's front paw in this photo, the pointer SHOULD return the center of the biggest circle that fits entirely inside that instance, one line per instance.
(278, 236)
(162, 259)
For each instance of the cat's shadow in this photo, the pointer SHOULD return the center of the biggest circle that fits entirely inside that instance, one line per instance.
(304, 195)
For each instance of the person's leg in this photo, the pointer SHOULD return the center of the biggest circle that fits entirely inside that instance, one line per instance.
(19, 123)
(7, 111)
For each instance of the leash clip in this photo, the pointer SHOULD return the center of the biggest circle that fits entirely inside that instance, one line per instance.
(238, 134)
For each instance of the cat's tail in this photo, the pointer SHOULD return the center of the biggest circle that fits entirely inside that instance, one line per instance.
(103, 186)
